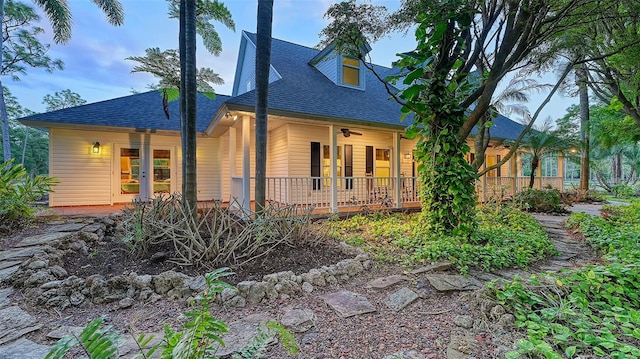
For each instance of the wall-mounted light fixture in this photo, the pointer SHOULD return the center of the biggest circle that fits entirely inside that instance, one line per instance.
(96, 147)
(407, 155)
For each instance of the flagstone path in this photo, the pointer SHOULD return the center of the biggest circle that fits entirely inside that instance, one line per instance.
(15, 323)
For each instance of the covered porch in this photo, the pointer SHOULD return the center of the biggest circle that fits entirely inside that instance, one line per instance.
(334, 167)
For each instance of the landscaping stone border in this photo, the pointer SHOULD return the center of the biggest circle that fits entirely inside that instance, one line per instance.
(41, 274)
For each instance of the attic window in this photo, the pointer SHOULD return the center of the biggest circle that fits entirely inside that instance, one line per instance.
(350, 71)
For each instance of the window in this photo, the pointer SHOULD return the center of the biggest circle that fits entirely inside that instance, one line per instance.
(161, 171)
(549, 164)
(326, 165)
(350, 71)
(383, 166)
(315, 164)
(491, 161)
(129, 170)
(348, 166)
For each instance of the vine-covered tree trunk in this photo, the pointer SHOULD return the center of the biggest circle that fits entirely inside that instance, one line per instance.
(448, 180)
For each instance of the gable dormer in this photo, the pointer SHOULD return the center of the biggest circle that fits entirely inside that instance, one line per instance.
(342, 70)
(245, 78)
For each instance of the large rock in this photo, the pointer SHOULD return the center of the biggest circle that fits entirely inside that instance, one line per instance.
(449, 282)
(400, 299)
(20, 253)
(67, 227)
(298, 320)
(45, 238)
(7, 273)
(4, 297)
(348, 304)
(24, 349)
(15, 323)
(436, 267)
(410, 354)
(241, 332)
(385, 282)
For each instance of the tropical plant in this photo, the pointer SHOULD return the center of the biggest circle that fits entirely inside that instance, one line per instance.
(541, 141)
(454, 39)
(194, 17)
(60, 17)
(18, 191)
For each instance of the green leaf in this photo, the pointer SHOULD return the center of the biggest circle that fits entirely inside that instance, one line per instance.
(570, 351)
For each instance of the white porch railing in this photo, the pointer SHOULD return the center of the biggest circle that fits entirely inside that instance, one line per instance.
(315, 192)
(499, 187)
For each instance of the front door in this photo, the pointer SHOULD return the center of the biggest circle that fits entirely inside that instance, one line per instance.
(141, 174)
(163, 170)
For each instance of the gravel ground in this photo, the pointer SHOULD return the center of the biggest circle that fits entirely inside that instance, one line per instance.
(425, 326)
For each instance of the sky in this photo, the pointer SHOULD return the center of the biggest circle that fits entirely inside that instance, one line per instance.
(94, 58)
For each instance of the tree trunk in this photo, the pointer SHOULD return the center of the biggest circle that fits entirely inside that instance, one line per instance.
(581, 75)
(263, 62)
(534, 166)
(188, 94)
(24, 144)
(6, 140)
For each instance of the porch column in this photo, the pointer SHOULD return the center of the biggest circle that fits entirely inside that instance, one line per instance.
(397, 193)
(513, 163)
(232, 166)
(484, 180)
(539, 172)
(561, 171)
(246, 163)
(333, 145)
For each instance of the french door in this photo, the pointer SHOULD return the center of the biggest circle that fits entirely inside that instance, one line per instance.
(143, 172)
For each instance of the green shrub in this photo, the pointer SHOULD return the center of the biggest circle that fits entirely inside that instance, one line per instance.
(505, 237)
(543, 201)
(18, 191)
(589, 312)
(220, 235)
(623, 191)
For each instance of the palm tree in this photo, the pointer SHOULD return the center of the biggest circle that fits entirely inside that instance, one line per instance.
(263, 62)
(540, 141)
(509, 101)
(60, 17)
(188, 94)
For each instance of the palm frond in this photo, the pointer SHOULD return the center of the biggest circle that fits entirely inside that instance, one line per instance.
(60, 17)
(113, 11)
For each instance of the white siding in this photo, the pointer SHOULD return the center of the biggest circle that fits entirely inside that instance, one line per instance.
(85, 178)
(208, 162)
(247, 78)
(301, 137)
(277, 153)
(329, 67)
(88, 179)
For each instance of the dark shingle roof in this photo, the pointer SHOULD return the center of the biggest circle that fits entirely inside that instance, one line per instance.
(143, 110)
(305, 90)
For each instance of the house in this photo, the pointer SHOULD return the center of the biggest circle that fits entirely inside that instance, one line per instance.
(334, 140)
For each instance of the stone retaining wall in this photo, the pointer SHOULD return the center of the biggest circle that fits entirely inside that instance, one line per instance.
(43, 278)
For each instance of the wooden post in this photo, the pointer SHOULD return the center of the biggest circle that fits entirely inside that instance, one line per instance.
(333, 145)
(397, 193)
(246, 163)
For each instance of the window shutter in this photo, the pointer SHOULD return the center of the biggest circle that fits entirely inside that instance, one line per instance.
(315, 164)
(348, 165)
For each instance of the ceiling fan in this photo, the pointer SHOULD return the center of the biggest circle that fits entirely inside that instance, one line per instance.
(346, 132)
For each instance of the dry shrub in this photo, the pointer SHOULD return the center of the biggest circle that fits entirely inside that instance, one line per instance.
(219, 236)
